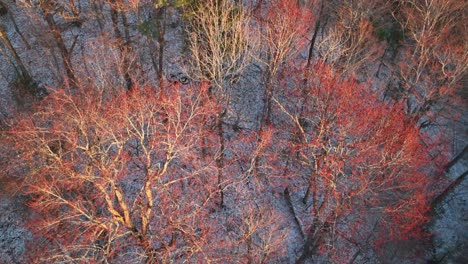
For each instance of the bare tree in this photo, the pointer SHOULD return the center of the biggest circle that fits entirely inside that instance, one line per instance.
(350, 42)
(284, 26)
(436, 55)
(221, 43)
(367, 170)
(119, 178)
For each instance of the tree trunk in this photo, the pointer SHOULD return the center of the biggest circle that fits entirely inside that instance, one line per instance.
(268, 95)
(315, 237)
(220, 161)
(6, 41)
(62, 47)
(457, 158)
(314, 36)
(287, 196)
(161, 16)
(121, 44)
(441, 197)
(15, 25)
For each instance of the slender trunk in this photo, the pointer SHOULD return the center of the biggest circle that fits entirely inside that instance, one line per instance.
(118, 36)
(457, 158)
(220, 161)
(381, 62)
(161, 16)
(15, 26)
(268, 95)
(314, 36)
(317, 234)
(115, 22)
(314, 237)
(128, 41)
(265, 119)
(287, 196)
(441, 197)
(62, 47)
(8, 59)
(249, 250)
(158, 64)
(307, 194)
(312, 183)
(152, 47)
(6, 41)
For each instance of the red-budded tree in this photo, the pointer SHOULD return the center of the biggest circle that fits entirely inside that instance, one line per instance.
(119, 178)
(283, 28)
(364, 169)
(132, 177)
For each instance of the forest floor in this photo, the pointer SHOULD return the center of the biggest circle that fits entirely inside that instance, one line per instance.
(449, 227)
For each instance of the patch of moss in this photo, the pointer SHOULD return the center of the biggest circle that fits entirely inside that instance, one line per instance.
(389, 32)
(149, 28)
